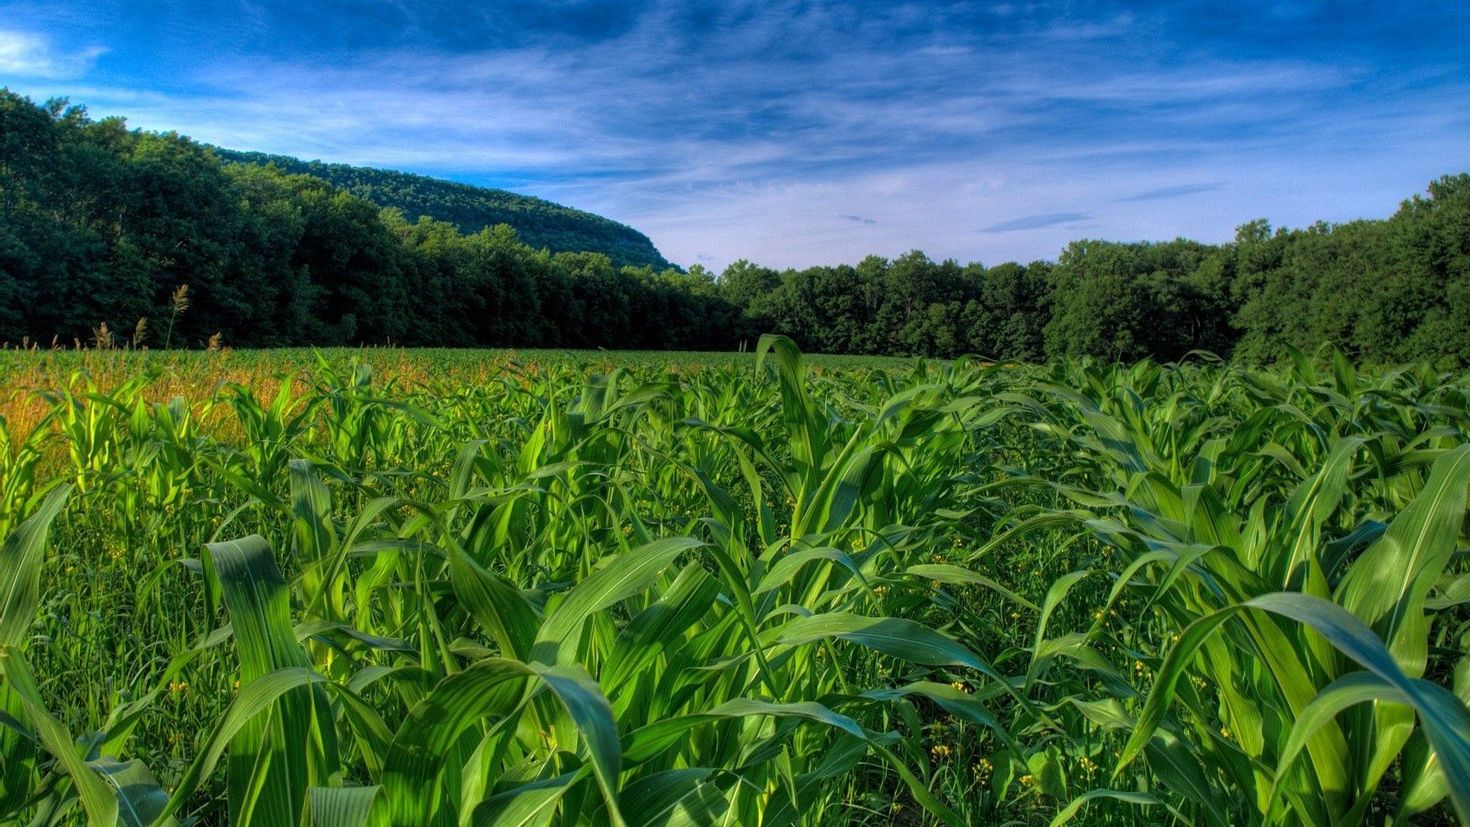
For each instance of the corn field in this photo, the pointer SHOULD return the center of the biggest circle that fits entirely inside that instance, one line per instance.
(748, 590)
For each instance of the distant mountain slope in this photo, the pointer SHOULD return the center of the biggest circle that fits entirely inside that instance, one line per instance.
(539, 223)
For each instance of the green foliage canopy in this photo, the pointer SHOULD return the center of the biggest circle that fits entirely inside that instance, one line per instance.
(100, 224)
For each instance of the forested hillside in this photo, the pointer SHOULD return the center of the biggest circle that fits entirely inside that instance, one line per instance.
(100, 224)
(538, 222)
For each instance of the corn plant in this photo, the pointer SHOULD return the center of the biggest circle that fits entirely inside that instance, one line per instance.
(451, 588)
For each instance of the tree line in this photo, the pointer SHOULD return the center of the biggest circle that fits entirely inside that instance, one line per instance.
(538, 222)
(102, 224)
(1388, 291)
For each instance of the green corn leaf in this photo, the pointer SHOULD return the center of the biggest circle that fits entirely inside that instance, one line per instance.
(254, 700)
(141, 801)
(920, 791)
(806, 430)
(97, 797)
(647, 742)
(21, 558)
(1387, 586)
(529, 805)
(1353, 688)
(621, 578)
(274, 761)
(956, 575)
(490, 689)
(674, 798)
(1078, 803)
(1058, 592)
(789, 564)
(661, 627)
(498, 606)
(590, 709)
(1425, 784)
(1445, 719)
(898, 637)
(954, 701)
(345, 806)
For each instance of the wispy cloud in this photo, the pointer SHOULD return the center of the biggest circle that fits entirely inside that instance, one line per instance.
(741, 129)
(1036, 222)
(34, 56)
(1177, 191)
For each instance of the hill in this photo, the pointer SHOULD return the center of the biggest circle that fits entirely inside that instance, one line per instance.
(111, 235)
(102, 228)
(538, 222)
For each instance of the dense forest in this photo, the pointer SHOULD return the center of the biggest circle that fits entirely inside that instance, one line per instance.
(100, 224)
(538, 222)
(1381, 291)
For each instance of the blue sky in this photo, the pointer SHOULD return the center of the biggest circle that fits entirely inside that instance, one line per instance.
(798, 133)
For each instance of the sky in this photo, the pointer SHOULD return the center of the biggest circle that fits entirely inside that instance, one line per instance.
(802, 133)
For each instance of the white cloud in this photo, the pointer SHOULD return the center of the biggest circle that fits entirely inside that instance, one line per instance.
(756, 138)
(31, 55)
